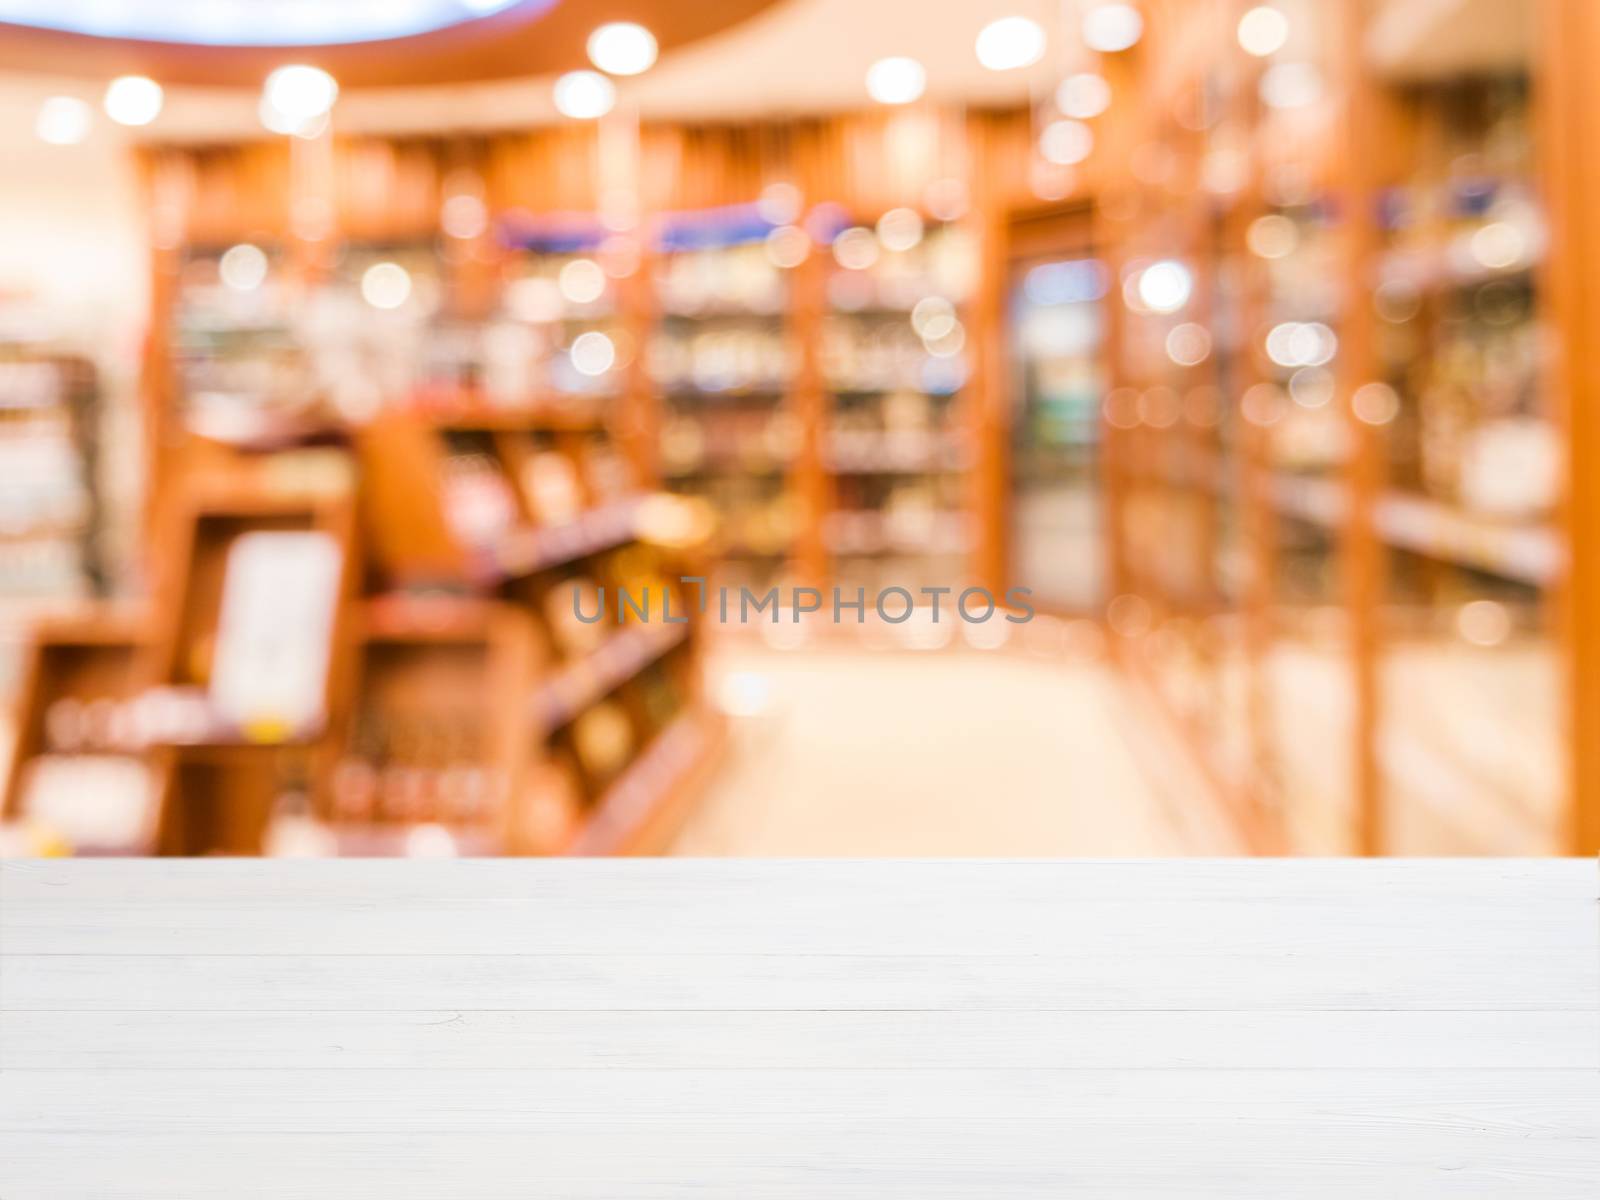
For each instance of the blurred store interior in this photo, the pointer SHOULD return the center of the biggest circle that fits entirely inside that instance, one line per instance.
(1161, 422)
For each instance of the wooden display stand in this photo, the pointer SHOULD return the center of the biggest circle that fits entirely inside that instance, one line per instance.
(99, 656)
(445, 719)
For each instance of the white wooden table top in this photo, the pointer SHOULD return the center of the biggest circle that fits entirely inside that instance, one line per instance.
(882, 1031)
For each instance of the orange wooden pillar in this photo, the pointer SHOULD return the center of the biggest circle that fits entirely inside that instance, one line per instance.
(1361, 554)
(988, 396)
(811, 404)
(1569, 130)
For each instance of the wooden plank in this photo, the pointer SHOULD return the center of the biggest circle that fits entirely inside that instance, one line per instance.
(1276, 881)
(863, 1160)
(1500, 1103)
(799, 1029)
(639, 921)
(1317, 975)
(840, 1041)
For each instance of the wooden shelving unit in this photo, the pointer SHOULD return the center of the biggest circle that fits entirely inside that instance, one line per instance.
(1337, 505)
(490, 461)
(477, 717)
(465, 477)
(1310, 563)
(899, 440)
(80, 677)
(720, 343)
(724, 360)
(49, 449)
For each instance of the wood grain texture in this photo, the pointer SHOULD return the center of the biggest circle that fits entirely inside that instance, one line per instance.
(889, 1030)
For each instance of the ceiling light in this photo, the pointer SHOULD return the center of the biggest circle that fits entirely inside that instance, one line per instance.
(385, 285)
(1010, 43)
(622, 48)
(133, 100)
(584, 95)
(63, 121)
(1110, 28)
(1083, 96)
(1066, 142)
(592, 353)
(896, 80)
(1263, 31)
(582, 281)
(900, 229)
(1164, 287)
(300, 93)
(243, 268)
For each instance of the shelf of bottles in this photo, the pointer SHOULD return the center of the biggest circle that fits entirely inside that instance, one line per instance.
(265, 347)
(48, 410)
(445, 728)
(895, 361)
(1296, 317)
(557, 339)
(268, 350)
(236, 342)
(1471, 750)
(616, 686)
(1226, 436)
(723, 360)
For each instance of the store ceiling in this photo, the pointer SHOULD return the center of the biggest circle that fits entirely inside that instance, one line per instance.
(750, 57)
(364, 43)
(1422, 39)
(792, 56)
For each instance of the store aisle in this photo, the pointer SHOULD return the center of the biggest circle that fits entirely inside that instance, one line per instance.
(956, 753)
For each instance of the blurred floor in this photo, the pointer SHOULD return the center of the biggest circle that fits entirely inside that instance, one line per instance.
(861, 752)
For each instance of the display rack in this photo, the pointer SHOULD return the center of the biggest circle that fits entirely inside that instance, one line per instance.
(898, 441)
(475, 716)
(49, 532)
(77, 761)
(723, 360)
(426, 452)
(1359, 655)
